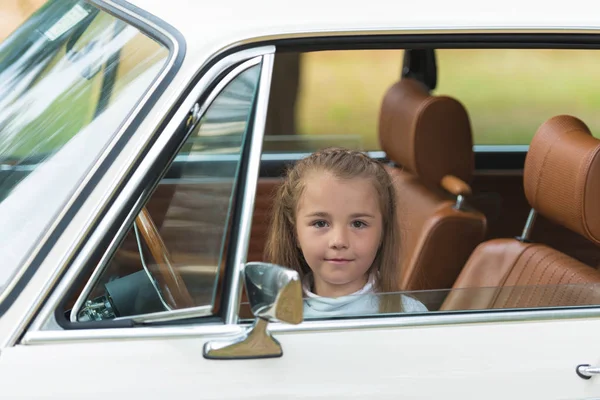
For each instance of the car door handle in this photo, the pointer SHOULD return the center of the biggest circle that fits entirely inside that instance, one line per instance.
(586, 371)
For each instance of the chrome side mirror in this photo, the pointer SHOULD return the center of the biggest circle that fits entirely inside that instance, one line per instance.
(274, 294)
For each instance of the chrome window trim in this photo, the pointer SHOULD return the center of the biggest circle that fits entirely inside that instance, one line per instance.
(374, 154)
(418, 30)
(501, 148)
(197, 311)
(79, 263)
(382, 322)
(248, 194)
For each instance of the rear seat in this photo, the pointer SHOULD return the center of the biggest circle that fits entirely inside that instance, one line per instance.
(429, 138)
(265, 194)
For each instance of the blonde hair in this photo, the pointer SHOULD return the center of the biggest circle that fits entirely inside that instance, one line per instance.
(282, 248)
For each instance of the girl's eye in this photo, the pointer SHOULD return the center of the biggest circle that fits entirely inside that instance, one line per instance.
(319, 224)
(358, 224)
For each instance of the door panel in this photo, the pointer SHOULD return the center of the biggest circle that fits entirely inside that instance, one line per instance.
(533, 360)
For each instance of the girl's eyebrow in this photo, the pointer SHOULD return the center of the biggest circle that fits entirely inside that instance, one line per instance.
(362, 215)
(321, 214)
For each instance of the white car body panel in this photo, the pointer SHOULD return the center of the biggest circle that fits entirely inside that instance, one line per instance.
(492, 360)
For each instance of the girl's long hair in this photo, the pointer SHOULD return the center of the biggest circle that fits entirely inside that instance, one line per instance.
(282, 246)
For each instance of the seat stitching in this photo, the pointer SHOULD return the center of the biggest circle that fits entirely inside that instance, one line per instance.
(559, 280)
(569, 279)
(525, 268)
(535, 268)
(541, 173)
(537, 285)
(577, 300)
(502, 284)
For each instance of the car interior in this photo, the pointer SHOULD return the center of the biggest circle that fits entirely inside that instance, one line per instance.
(524, 223)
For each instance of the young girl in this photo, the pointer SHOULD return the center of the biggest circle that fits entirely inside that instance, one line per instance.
(334, 222)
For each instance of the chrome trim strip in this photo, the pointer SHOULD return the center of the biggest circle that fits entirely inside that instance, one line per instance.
(263, 157)
(376, 154)
(142, 333)
(172, 315)
(79, 263)
(528, 226)
(400, 31)
(501, 148)
(249, 191)
(434, 319)
(37, 301)
(299, 155)
(382, 322)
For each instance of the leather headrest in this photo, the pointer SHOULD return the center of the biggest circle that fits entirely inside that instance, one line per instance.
(562, 175)
(430, 136)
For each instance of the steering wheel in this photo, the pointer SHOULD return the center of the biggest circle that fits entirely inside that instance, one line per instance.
(173, 288)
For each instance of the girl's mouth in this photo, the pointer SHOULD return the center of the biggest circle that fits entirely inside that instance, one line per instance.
(338, 260)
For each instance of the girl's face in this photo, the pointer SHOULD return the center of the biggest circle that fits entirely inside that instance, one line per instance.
(339, 230)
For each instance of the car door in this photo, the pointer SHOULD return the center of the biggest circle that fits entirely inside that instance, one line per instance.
(491, 354)
(199, 190)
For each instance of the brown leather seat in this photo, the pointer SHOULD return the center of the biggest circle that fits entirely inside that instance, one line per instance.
(428, 138)
(263, 205)
(562, 183)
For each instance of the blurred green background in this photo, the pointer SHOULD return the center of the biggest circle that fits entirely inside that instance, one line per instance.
(508, 93)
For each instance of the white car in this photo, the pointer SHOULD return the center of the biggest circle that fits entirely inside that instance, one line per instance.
(140, 144)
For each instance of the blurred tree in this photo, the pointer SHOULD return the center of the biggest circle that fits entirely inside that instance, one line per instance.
(281, 116)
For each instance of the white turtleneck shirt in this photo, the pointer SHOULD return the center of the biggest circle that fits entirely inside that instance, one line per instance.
(362, 302)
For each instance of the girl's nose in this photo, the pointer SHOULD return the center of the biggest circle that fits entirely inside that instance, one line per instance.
(339, 239)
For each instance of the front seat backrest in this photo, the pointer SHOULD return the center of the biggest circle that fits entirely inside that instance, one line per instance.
(428, 138)
(562, 183)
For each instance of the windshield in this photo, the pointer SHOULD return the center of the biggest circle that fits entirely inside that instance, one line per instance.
(70, 77)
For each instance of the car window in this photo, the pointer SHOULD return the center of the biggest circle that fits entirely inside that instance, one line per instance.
(319, 99)
(525, 297)
(172, 255)
(334, 97)
(55, 113)
(510, 92)
(456, 216)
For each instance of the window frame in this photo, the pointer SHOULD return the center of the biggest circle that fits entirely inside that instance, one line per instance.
(201, 310)
(139, 188)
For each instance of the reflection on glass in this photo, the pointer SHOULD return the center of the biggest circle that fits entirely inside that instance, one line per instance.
(195, 224)
(70, 76)
(190, 208)
(478, 298)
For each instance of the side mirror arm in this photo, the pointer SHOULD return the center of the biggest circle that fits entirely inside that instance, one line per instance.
(275, 294)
